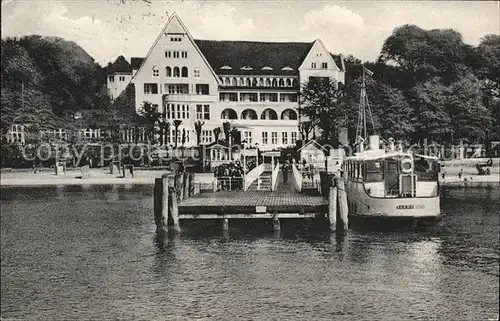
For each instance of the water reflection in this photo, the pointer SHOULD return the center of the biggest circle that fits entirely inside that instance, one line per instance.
(74, 253)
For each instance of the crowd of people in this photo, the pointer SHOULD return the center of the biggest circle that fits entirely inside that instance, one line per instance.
(230, 176)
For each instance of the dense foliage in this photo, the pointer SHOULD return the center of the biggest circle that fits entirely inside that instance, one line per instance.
(427, 84)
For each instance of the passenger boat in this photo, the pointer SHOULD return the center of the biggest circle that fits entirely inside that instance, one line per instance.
(389, 182)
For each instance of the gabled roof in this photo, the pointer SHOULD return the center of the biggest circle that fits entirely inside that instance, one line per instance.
(238, 54)
(312, 142)
(119, 65)
(136, 62)
(339, 61)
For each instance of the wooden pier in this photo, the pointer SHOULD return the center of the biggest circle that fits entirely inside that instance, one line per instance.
(284, 203)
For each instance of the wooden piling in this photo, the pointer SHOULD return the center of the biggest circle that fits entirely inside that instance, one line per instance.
(342, 197)
(276, 223)
(161, 204)
(185, 182)
(332, 205)
(173, 209)
(225, 224)
(191, 184)
(180, 186)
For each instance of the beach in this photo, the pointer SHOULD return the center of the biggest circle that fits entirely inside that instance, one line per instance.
(97, 176)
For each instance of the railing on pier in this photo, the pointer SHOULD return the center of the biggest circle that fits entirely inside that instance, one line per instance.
(274, 176)
(296, 178)
(228, 183)
(251, 176)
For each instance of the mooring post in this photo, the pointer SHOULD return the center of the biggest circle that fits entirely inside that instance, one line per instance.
(225, 224)
(172, 207)
(160, 196)
(276, 223)
(191, 184)
(179, 186)
(332, 204)
(342, 197)
(185, 182)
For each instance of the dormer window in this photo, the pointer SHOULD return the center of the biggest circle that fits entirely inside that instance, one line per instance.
(246, 68)
(287, 68)
(226, 67)
(267, 68)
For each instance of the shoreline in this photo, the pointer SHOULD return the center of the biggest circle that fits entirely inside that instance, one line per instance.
(147, 177)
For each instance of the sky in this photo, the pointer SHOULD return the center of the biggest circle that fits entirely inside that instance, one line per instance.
(109, 28)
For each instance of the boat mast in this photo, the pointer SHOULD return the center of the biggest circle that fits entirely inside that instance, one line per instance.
(361, 129)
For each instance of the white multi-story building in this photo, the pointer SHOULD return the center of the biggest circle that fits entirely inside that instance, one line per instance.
(253, 85)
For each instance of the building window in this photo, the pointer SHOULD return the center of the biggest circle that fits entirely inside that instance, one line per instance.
(228, 96)
(150, 88)
(199, 111)
(294, 138)
(313, 65)
(168, 54)
(285, 98)
(184, 54)
(121, 78)
(156, 72)
(177, 89)
(206, 136)
(197, 72)
(264, 138)
(324, 65)
(176, 72)
(176, 54)
(202, 111)
(184, 72)
(202, 89)
(284, 138)
(272, 97)
(168, 72)
(176, 39)
(111, 78)
(274, 138)
(248, 97)
(248, 137)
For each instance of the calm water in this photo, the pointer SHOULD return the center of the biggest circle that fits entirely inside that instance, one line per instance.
(89, 253)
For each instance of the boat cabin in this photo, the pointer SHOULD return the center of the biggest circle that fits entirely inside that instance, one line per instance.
(394, 174)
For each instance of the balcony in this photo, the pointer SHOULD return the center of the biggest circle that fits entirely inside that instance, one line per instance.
(188, 98)
(259, 104)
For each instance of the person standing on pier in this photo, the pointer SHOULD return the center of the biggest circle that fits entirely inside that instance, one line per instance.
(285, 171)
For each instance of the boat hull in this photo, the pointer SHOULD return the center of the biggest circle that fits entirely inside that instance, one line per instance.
(363, 205)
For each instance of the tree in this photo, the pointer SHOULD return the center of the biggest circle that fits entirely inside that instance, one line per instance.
(470, 118)
(432, 119)
(305, 128)
(177, 123)
(322, 103)
(217, 131)
(150, 118)
(198, 126)
(226, 126)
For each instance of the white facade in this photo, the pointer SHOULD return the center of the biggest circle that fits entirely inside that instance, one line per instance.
(177, 78)
(117, 82)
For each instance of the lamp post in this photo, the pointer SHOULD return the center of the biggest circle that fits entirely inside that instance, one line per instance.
(244, 142)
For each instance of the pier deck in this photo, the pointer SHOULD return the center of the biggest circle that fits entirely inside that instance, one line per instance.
(285, 202)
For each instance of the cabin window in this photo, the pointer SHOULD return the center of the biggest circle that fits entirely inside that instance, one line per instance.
(426, 169)
(373, 172)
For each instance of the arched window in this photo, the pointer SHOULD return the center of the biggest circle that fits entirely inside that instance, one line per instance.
(274, 83)
(176, 72)
(268, 114)
(281, 83)
(156, 72)
(249, 83)
(294, 83)
(261, 82)
(229, 113)
(227, 81)
(268, 82)
(235, 81)
(184, 72)
(242, 82)
(254, 82)
(289, 114)
(168, 72)
(289, 82)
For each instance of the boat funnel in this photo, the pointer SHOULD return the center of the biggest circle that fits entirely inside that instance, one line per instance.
(374, 142)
